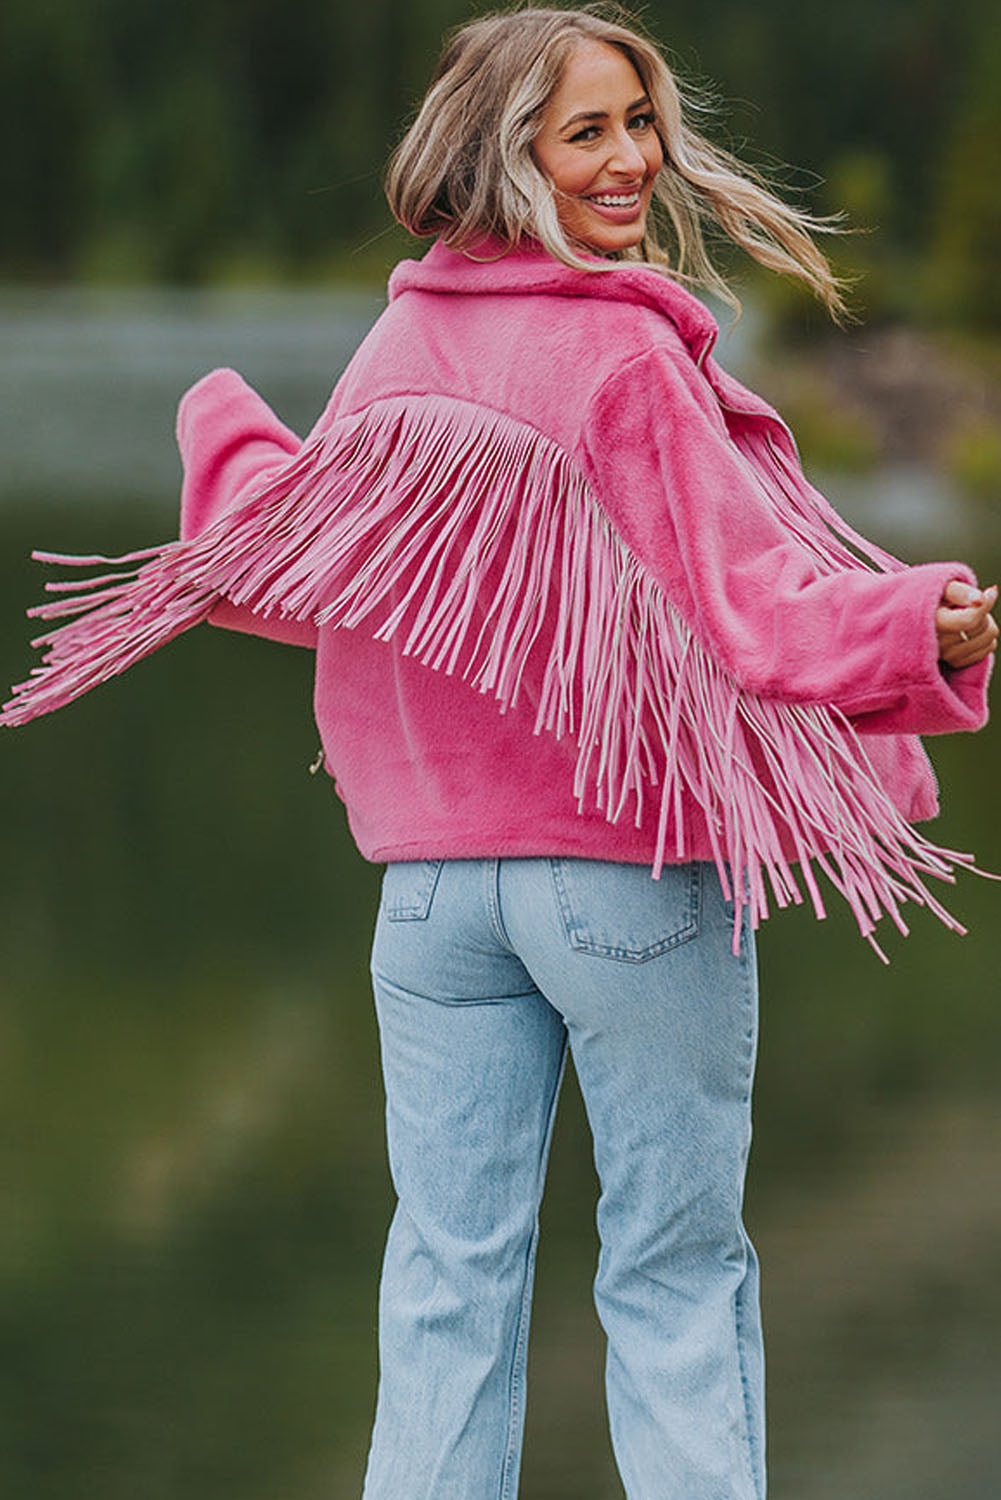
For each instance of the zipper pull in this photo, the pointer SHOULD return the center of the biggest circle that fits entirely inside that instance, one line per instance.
(318, 762)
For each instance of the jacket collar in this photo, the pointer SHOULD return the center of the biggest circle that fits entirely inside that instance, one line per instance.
(496, 268)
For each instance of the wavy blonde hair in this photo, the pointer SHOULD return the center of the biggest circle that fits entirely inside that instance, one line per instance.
(465, 167)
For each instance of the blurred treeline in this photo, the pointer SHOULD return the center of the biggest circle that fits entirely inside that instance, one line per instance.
(197, 140)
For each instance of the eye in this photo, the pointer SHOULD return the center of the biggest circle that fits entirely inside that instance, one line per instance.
(642, 122)
(587, 134)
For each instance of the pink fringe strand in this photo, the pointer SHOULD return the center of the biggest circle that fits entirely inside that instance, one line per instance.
(478, 538)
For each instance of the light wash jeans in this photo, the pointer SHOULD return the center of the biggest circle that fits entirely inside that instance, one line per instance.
(484, 972)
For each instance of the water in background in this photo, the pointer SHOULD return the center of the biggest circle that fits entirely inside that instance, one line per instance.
(90, 379)
(193, 1182)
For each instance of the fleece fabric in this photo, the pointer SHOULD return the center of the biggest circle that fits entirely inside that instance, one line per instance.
(536, 481)
(615, 366)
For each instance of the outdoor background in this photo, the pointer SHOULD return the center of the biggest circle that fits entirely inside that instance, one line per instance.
(193, 1191)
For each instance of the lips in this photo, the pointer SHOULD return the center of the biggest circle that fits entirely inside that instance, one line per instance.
(615, 200)
(624, 209)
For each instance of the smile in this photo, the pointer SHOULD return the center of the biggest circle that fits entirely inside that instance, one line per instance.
(615, 200)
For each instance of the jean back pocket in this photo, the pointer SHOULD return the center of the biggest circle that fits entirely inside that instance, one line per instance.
(408, 888)
(619, 911)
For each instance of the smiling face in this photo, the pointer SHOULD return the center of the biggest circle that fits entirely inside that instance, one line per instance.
(599, 147)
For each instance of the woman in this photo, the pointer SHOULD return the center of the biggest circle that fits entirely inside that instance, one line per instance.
(534, 480)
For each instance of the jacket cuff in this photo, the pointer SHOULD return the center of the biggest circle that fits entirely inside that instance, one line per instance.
(939, 699)
(948, 702)
(228, 437)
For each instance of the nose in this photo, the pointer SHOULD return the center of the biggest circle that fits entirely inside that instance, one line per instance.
(626, 158)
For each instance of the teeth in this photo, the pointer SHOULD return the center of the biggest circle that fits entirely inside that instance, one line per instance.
(612, 200)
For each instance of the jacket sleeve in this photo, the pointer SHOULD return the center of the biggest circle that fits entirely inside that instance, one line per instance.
(230, 442)
(684, 498)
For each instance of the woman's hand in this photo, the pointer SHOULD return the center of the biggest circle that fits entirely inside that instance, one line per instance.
(966, 629)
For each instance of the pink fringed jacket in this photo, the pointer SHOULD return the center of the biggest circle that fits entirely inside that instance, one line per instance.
(569, 591)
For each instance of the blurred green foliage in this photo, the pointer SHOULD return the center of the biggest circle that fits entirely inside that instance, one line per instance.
(189, 141)
(973, 458)
(830, 434)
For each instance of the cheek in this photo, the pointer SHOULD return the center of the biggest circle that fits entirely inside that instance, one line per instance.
(568, 173)
(654, 156)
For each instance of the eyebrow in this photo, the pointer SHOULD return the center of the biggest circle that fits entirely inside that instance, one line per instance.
(602, 114)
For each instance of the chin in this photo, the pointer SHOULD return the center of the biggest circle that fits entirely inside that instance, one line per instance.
(607, 244)
(606, 239)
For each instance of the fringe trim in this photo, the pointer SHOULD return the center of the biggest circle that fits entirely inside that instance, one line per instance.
(476, 538)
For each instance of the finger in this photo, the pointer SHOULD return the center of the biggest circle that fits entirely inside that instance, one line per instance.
(956, 620)
(959, 653)
(960, 594)
(956, 624)
(981, 627)
(957, 663)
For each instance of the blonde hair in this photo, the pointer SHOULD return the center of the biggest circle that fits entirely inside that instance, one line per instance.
(465, 167)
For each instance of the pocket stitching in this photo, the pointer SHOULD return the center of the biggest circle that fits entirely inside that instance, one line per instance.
(415, 907)
(582, 944)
